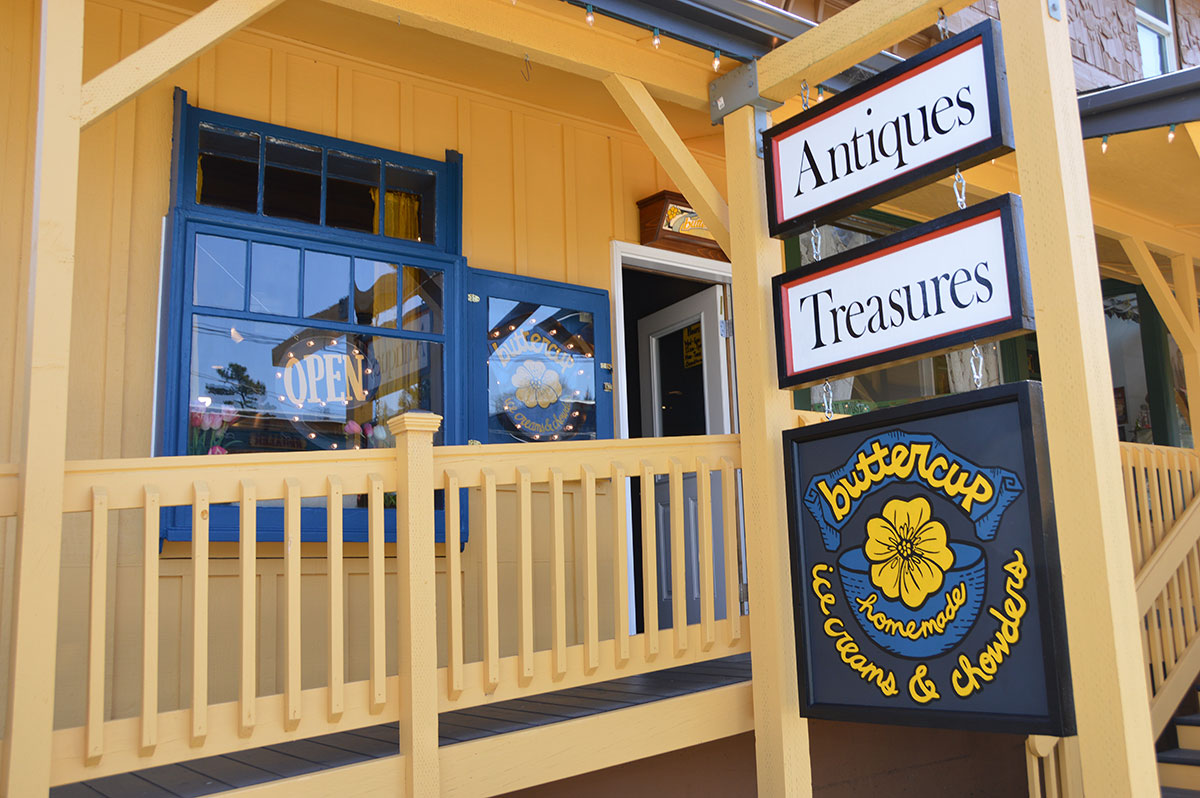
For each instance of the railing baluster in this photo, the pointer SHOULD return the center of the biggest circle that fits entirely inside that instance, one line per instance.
(150, 543)
(199, 728)
(491, 587)
(454, 611)
(377, 616)
(649, 562)
(524, 574)
(733, 598)
(337, 633)
(1131, 511)
(248, 582)
(96, 624)
(291, 616)
(591, 600)
(1160, 503)
(1142, 486)
(1164, 632)
(620, 553)
(558, 580)
(704, 546)
(679, 595)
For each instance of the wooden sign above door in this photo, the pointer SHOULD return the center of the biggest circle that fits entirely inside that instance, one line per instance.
(902, 129)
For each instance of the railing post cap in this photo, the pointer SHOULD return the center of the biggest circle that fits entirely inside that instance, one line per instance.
(414, 421)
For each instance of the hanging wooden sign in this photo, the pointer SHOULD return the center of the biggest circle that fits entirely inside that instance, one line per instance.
(933, 287)
(925, 575)
(901, 129)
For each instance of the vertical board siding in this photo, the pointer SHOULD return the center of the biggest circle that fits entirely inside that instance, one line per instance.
(544, 193)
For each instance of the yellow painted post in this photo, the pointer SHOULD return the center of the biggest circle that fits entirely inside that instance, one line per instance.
(781, 735)
(1183, 275)
(1115, 741)
(418, 601)
(25, 769)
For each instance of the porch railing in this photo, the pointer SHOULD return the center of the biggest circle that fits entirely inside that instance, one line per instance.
(1164, 532)
(498, 640)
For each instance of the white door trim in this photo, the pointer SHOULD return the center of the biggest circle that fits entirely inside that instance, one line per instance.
(650, 259)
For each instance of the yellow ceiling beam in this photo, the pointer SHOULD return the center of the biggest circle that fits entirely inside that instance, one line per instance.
(551, 38)
(1193, 131)
(1177, 320)
(681, 166)
(844, 40)
(135, 73)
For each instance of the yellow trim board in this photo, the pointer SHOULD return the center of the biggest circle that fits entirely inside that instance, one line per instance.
(506, 762)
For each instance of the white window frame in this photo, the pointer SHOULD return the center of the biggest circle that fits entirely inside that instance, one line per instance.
(1165, 29)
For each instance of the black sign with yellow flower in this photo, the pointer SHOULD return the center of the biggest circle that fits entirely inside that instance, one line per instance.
(925, 566)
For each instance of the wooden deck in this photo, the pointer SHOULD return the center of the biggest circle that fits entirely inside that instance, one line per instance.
(254, 766)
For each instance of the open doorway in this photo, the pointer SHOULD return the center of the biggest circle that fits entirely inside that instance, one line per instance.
(676, 375)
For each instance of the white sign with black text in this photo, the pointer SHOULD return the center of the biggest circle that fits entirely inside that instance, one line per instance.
(933, 287)
(902, 129)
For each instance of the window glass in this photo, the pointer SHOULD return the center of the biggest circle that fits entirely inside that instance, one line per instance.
(375, 293)
(275, 280)
(410, 192)
(680, 376)
(541, 373)
(1155, 8)
(292, 181)
(326, 286)
(220, 272)
(259, 386)
(352, 192)
(1154, 51)
(227, 168)
(421, 300)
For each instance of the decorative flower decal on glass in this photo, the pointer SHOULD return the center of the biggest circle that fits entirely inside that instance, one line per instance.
(536, 384)
(908, 551)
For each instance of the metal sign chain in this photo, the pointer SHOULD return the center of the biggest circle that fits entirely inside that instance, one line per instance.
(816, 242)
(804, 95)
(827, 399)
(960, 188)
(977, 365)
(943, 28)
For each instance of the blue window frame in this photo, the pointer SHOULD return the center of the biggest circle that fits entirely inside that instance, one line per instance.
(540, 360)
(307, 298)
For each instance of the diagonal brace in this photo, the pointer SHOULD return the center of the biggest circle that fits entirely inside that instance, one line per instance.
(1151, 276)
(135, 73)
(843, 40)
(681, 166)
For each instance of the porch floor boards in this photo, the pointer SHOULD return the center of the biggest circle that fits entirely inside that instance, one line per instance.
(216, 774)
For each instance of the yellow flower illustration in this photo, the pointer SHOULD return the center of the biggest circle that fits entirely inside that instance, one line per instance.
(908, 551)
(536, 385)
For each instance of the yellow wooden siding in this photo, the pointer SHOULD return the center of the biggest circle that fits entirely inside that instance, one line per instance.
(544, 193)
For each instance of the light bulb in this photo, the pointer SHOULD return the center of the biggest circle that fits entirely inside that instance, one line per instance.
(1171, 134)
(820, 94)
(589, 17)
(657, 40)
(1104, 145)
(716, 60)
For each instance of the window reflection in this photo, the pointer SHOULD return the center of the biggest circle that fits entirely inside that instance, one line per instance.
(257, 386)
(220, 272)
(275, 279)
(541, 373)
(326, 286)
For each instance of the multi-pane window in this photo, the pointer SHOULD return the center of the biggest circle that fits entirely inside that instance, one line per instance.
(327, 344)
(305, 301)
(1155, 37)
